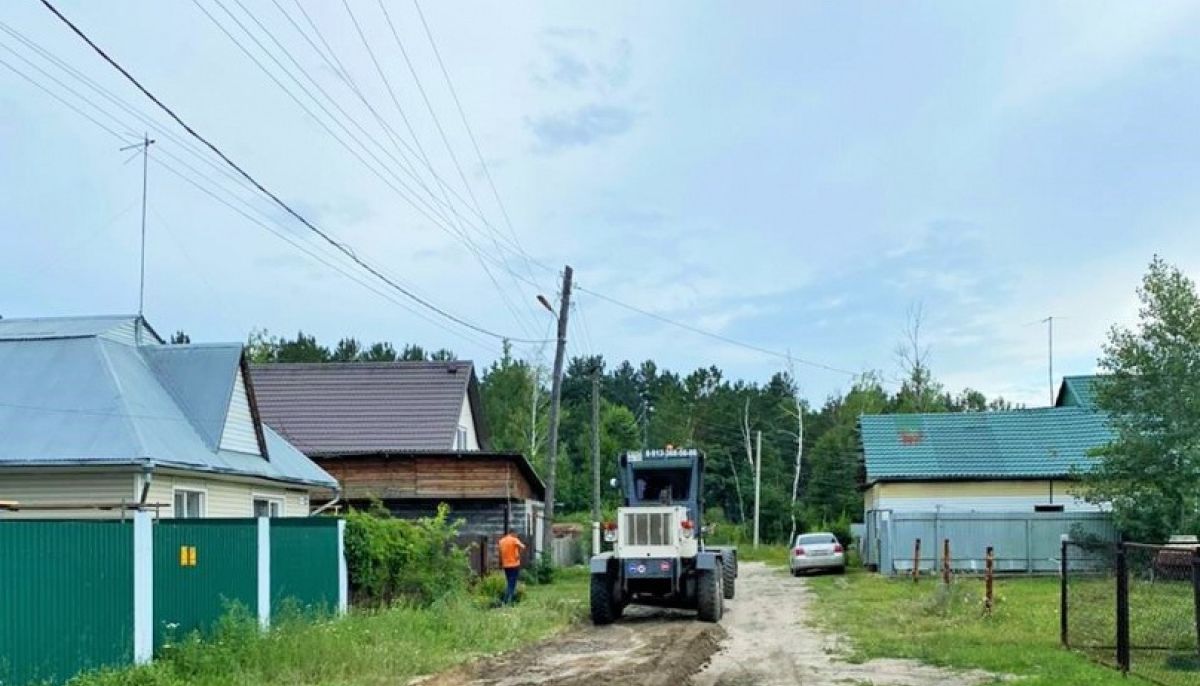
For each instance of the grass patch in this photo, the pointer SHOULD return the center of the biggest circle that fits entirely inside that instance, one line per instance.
(774, 555)
(925, 622)
(385, 646)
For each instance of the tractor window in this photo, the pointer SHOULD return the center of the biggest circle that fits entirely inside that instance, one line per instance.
(663, 485)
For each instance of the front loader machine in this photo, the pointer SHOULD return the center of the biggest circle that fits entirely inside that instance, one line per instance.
(658, 554)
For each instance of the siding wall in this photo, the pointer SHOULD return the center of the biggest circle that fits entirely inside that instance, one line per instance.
(61, 487)
(238, 434)
(975, 496)
(224, 498)
(467, 419)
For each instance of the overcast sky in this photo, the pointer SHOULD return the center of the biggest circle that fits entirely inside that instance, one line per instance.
(792, 175)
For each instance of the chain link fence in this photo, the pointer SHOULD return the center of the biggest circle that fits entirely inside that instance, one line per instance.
(1135, 607)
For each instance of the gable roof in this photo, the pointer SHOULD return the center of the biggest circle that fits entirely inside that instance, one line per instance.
(368, 407)
(1049, 442)
(79, 392)
(1077, 391)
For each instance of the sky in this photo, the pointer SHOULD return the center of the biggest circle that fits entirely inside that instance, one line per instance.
(795, 176)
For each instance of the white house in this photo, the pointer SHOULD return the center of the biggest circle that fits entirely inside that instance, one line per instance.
(98, 416)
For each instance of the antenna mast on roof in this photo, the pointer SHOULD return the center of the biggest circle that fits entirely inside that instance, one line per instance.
(1050, 354)
(145, 148)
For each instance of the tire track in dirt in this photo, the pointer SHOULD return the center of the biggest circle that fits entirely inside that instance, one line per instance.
(649, 647)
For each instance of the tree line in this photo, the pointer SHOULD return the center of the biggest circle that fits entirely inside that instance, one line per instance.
(1149, 475)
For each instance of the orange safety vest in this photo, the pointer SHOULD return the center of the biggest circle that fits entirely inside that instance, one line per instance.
(510, 551)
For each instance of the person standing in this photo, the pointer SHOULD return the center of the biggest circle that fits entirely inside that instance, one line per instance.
(510, 560)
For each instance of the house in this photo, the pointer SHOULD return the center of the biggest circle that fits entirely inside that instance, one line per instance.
(1009, 468)
(99, 416)
(410, 435)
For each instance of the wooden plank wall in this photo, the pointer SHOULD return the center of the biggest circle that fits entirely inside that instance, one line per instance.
(428, 477)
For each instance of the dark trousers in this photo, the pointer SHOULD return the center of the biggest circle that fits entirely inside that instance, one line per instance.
(511, 574)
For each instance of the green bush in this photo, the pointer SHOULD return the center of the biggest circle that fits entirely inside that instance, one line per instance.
(491, 588)
(392, 559)
(540, 572)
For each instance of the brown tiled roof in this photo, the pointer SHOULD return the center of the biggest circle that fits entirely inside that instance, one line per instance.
(367, 407)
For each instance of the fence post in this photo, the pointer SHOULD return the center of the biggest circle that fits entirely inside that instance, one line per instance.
(483, 555)
(143, 588)
(946, 561)
(343, 570)
(264, 572)
(1196, 592)
(989, 567)
(916, 570)
(1063, 606)
(1122, 609)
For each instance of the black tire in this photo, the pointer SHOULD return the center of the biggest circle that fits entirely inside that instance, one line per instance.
(796, 573)
(604, 610)
(709, 600)
(729, 576)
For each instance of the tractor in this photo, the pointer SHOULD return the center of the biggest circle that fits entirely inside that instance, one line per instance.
(658, 554)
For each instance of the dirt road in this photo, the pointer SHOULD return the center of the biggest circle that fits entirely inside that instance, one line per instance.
(764, 640)
(772, 643)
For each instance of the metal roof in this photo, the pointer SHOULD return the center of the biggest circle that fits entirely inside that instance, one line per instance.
(1077, 391)
(353, 408)
(75, 395)
(1038, 443)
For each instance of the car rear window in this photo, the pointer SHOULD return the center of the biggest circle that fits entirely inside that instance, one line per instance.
(815, 539)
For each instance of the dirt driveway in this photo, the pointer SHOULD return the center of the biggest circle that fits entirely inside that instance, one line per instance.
(764, 640)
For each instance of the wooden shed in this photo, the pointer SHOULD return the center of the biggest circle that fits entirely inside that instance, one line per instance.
(410, 435)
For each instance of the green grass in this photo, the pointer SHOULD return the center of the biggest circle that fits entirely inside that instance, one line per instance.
(381, 647)
(897, 618)
(775, 555)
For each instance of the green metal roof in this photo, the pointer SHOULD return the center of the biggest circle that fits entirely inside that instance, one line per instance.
(1077, 391)
(1017, 444)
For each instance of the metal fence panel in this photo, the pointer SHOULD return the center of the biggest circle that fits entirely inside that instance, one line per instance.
(67, 590)
(1022, 541)
(304, 564)
(202, 569)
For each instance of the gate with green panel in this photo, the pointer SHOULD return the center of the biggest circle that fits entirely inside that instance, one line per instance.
(305, 557)
(66, 598)
(203, 568)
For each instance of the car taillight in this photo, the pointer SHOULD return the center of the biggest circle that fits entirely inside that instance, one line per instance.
(837, 548)
(799, 551)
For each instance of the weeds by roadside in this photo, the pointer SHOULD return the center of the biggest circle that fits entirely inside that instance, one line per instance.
(947, 627)
(367, 647)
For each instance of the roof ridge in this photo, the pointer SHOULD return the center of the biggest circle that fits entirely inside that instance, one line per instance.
(126, 414)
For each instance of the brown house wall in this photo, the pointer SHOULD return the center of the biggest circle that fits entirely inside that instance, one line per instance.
(389, 478)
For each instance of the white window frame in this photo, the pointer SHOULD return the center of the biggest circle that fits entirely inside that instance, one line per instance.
(202, 492)
(460, 437)
(279, 500)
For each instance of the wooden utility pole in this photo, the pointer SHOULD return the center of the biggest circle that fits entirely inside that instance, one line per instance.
(596, 460)
(757, 483)
(560, 350)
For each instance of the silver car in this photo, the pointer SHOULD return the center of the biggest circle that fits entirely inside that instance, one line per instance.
(817, 551)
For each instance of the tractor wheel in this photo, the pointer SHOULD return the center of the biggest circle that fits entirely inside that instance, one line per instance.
(709, 601)
(604, 609)
(729, 576)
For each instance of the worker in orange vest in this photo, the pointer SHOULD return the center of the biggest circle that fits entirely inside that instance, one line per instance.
(510, 559)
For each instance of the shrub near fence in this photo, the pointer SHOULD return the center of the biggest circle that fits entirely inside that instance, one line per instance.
(394, 559)
(1139, 613)
(77, 595)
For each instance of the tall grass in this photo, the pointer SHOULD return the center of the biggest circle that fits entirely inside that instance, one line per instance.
(384, 646)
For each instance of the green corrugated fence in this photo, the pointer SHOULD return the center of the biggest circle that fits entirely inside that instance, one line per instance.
(76, 595)
(66, 598)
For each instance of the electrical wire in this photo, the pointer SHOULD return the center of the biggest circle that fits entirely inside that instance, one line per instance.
(265, 191)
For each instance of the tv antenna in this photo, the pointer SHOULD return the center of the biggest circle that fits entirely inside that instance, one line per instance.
(145, 150)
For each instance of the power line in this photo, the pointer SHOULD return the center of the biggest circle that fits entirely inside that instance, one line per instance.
(455, 215)
(487, 173)
(263, 189)
(715, 336)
